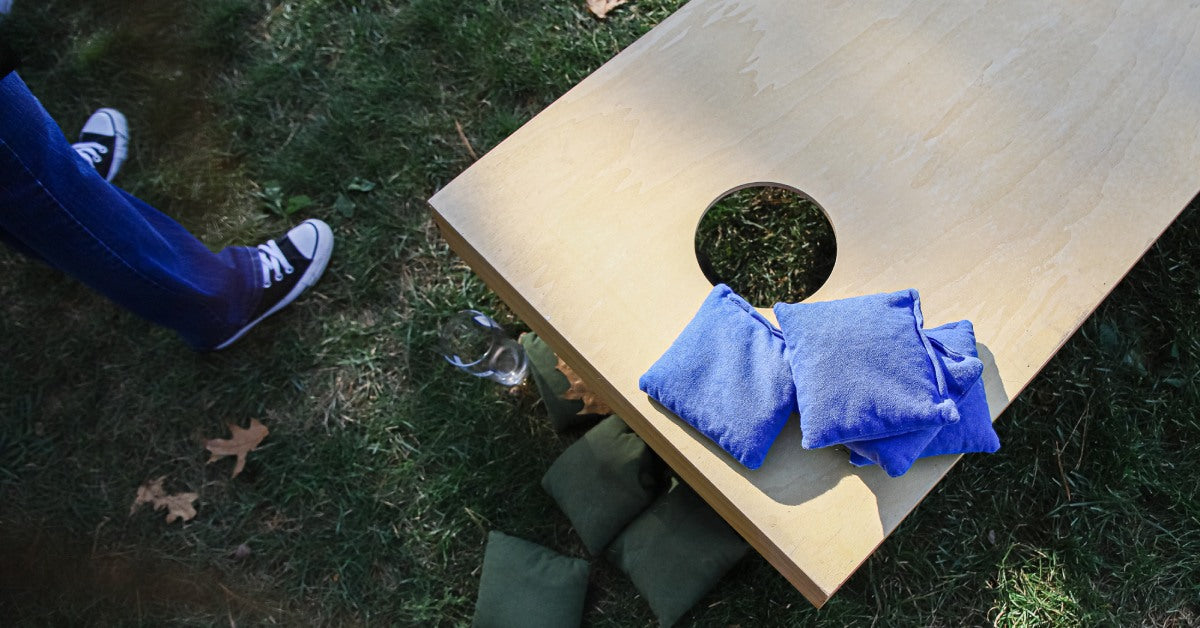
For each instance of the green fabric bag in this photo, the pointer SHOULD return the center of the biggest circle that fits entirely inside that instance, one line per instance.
(552, 384)
(603, 481)
(525, 585)
(676, 552)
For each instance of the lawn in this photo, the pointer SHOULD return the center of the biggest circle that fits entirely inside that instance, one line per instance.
(370, 501)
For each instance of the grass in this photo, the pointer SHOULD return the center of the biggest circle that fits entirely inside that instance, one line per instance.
(792, 249)
(370, 500)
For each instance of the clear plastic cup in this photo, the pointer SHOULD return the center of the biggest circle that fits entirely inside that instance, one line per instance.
(474, 343)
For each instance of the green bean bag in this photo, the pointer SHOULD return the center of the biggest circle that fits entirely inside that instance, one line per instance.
(552, 385)
(675, 552)
(603, 480)
(525, 585)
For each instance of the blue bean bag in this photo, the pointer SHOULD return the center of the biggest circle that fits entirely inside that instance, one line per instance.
(726, 376)
(863, 369)
(973, 433)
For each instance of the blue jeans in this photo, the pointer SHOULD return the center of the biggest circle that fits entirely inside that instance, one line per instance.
(55, 207)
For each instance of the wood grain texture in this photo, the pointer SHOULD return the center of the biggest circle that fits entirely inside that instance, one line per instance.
(1010, 160)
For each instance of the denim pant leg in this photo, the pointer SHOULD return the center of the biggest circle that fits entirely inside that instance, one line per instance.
(55, 206)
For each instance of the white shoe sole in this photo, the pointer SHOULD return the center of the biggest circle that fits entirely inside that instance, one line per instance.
(308, 279)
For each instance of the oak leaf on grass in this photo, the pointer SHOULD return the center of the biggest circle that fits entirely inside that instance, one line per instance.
(179, 505)
(578, 390)
(241, 442)
(600, 8)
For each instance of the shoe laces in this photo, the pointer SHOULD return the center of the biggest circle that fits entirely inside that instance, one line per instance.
(91, 151)
(274, 262)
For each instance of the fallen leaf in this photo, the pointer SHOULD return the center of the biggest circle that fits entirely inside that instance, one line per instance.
(297, 203)
(600, 8)
(343, 205)
(242, 442)
(578, 390)
(359, 184)
(179, 505)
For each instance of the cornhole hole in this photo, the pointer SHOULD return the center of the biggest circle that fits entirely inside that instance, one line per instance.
(1011, 161)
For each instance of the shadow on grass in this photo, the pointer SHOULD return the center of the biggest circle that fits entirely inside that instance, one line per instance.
(52, 576)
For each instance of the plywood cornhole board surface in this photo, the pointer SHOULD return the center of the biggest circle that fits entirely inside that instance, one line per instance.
(1010, 160)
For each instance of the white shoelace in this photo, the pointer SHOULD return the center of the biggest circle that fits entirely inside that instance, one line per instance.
(273, 262)
(90, 150)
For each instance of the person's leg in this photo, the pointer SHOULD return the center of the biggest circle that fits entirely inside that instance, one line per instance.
(18, 246)
(104, 141)
(54, 204)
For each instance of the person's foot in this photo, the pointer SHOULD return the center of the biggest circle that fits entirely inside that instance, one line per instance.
(104, 141)
(289, 266)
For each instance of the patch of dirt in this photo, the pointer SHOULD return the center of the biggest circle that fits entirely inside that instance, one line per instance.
(46, 576)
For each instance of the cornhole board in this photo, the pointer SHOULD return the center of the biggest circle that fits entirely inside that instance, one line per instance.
(1010, 160)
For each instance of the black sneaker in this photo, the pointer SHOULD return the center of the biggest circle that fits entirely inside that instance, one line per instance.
(289, 266)
(104, 141)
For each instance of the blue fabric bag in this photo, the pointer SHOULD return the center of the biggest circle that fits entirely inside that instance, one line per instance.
(973, 433)
(726, 376)
(863, 369)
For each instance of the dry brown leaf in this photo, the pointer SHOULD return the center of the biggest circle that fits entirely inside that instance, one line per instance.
(578, 390)
(179, 505)
(242, 442)
(600, 8)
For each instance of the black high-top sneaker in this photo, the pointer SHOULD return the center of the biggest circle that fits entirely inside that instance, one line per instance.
(289, 266)
(104, 141)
